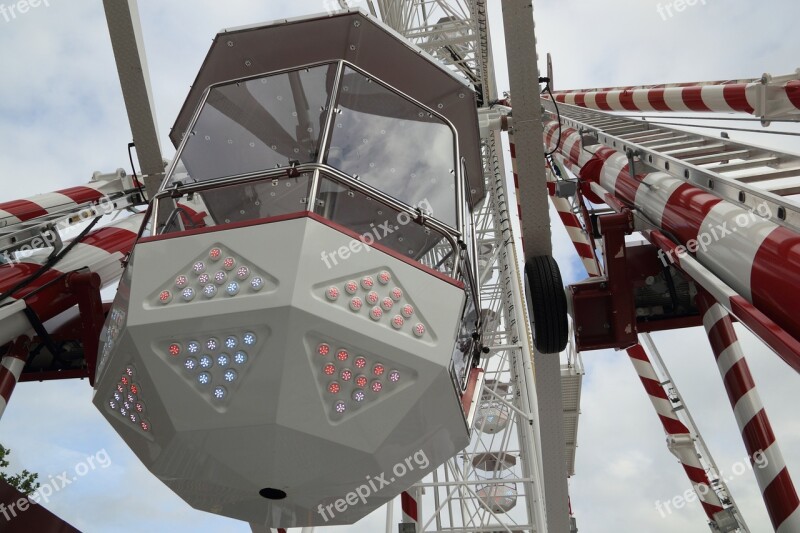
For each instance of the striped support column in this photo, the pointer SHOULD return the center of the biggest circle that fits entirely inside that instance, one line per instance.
(11, 368)
(410, 511)
(756, 257)
(679, 438)
(774, 480)
(723, 97)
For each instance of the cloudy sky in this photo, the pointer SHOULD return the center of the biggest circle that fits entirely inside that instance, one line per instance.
(62, 117)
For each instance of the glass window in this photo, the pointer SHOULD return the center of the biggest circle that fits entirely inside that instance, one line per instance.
(259, 124)
(394, 145)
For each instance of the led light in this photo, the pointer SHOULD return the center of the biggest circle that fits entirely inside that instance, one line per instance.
(123, 412)
(206, 361)
(329, 369)
(223, 359)
(139, 407)
(334, 388)
(231, 342)
(229, 263)
(398, 321)
(249, 338)
(135, 389)
(397, 294)
(387, 304)
(361, 381)
(130, 371)
(376, 386)
(199, 267)
(181, 282)
(212, 344)
(419, 330)
(220, 392)
(193, 347)
(131, 399)
(394, 376)
(124, 380)
(188, 294)
(359, 396)
(367, 282)
(112, 404)
(232, 289)
(332, 294)
(215, 254)
(372, 298)
(407, 311)
(351, 287)
(378, 369)
(134, 417)
(256, 284)
(165, 297)
(120, 388)
(240, 358)
(340, 407)
(360, 362)
(190, 363)
(209, 291)
(174, 349)
(144, 425)
(118, 396)
(342, 355)
(203, 279)
(230, 375)
(376, 313)
(346, 375)
(243, 273)
(384, 277)
(204, 378)
(220, 277)
(126, 405)
(356, 304)
(323, 349)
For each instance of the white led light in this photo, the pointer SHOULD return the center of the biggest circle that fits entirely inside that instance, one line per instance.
(181, 282)
(232, 289)
(249, 338)
(230, 375)
(256, 284)
(220, 277)
(243, 273)
(206, 361)
(223, 359)
(220, 392)
(193, 347)
(112, 404)
(204, 378)
(394, 376)
(118, 396)
(123, 412)
(212, 344)
(188, 294)
(359, 396)
(240, 358)
(209, 291)
(133, 417)
(190, 363)
(203, 279)
(340, 407)
(231, 342)
(199, 267)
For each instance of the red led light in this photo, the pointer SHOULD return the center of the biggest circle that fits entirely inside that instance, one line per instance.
(181, 282)
(124, 380)
(165, 297)
(361, 381)
(407, 311)
(361, 362)
(396, 294)
(323, 349)
(356, 304)
(373, 298)
(134, 389)
(174, 349)
(377, 386)
(334, 388)
(384, 277)
(367, 282)
(387, 304)
(329, 369)
(378, 369)
(346, 375)
(342, 355)
(145, 426)
(215, 254)
(351, 287)
(398, 322)
(229, 263)
(332, 293)
(419, 330)
(376, 313)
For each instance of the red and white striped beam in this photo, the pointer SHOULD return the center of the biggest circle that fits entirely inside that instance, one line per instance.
(679, 438)
(101, 251)
(773, 479)
(757, 258)
(752, 97)
(410, 508)
(11, 368)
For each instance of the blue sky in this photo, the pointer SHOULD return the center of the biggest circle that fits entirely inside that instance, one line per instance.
(62, 117)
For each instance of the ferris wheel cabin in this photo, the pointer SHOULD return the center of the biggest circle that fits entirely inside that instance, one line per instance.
(299, 314)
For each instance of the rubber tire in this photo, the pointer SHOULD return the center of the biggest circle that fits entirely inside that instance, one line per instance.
(547, 304)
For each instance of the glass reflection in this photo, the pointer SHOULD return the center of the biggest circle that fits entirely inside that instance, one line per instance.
(393, 145)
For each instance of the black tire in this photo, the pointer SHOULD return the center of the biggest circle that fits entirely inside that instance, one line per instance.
(547, 304)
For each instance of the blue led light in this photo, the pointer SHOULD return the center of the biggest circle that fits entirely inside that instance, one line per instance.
(223, 359)
(190, 363)
(193, 347)
(240, 358)
(230, 375)
(249, 338)
(206, 361)
(219, 393)
(232, 289)
(231, 342)
(204, 378)
(257, 284)
(209, 291)
(212, 344)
